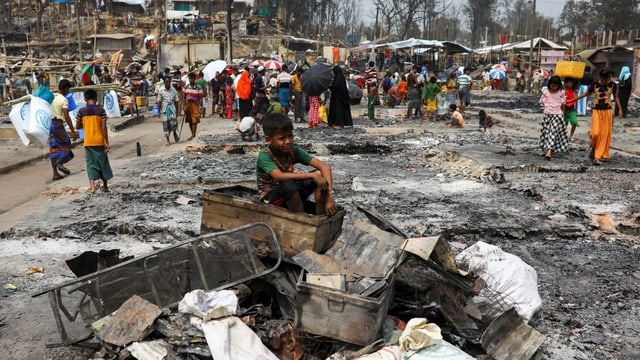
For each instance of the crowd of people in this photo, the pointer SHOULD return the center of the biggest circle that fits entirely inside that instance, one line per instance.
(249, 95)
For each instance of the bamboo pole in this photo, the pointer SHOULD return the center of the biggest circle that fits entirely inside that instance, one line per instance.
(17, 101)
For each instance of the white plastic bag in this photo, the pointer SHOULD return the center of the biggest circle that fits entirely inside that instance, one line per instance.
(19, 116)
(510, 281)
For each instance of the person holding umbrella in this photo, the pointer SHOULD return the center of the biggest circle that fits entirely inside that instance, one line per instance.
(315, 81)
(339, 107)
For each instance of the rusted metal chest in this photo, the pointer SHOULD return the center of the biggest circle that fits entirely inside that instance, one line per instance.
(229, 207)
(339, 315)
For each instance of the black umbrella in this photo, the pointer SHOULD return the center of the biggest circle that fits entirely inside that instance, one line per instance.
(316, 80)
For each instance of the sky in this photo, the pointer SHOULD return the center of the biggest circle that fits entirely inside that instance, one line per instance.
(551, 8)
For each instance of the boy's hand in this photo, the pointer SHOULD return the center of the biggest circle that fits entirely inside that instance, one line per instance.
(319, 180)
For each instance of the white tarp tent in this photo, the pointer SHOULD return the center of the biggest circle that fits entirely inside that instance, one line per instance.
(134, 2)
(410, 43)
(179, 14)
(538, 43)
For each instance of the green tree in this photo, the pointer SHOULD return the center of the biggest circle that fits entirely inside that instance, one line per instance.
(574, 18)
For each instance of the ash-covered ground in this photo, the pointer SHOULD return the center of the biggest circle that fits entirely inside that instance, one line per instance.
(576, 224)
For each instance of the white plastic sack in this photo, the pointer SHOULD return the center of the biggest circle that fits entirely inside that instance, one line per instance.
(510, 281)
(231, 339)
(209, 305)
(111, 105)
(78, 97)
(19, 115)
(39, 121)
(386, 353)
(440, 351)
(419, 334)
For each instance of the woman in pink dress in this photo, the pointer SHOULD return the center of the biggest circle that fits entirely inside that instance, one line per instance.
(314, 113)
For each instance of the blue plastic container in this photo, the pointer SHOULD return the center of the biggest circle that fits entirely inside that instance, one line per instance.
(156, 111)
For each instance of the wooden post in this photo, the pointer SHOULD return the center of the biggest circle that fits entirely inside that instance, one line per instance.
(229, 31)
(77, 8)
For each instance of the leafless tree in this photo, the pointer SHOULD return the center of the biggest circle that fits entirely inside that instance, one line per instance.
(480, 15)
(349, 15)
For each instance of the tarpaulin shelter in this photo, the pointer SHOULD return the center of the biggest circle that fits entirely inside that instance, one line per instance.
(545, 52)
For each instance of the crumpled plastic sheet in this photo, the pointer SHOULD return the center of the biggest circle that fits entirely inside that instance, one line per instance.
(209, 305)
(227, 336)
(149, 350)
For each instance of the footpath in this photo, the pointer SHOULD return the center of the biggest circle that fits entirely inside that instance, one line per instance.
(15, 155)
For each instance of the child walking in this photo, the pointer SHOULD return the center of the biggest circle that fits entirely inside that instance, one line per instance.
(372, 94)
(429, 93)
(442, 104)
(553, 135)
(570, 114)
(93, 119)
(602, 115)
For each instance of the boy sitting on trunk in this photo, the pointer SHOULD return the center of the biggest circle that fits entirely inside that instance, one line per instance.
(278, 183)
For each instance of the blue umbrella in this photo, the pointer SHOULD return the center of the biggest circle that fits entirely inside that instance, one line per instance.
(497, 74)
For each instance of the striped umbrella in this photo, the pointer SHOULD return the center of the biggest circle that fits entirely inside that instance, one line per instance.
(502, 67)
(272, 65)
(256, 63)
(497, 74)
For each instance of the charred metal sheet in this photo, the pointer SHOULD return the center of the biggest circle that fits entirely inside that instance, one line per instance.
(510, 337)
(211, 262)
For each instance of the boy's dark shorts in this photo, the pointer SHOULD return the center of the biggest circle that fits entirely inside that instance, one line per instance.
(465, 96)
(283, 192)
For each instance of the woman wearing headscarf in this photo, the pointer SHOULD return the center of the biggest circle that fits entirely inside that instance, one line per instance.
(624, 89)
(339, 108)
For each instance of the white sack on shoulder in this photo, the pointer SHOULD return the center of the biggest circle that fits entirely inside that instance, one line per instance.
(510, 281)
(39, 123)
(19, 116)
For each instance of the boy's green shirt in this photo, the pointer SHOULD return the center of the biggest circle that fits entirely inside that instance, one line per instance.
(430, 91)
